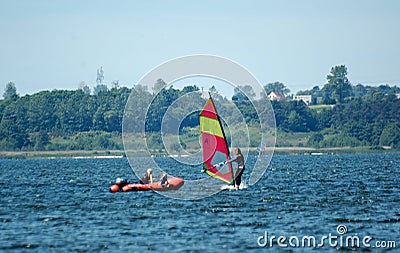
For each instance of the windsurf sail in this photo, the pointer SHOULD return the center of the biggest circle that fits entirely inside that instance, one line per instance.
(214, 146)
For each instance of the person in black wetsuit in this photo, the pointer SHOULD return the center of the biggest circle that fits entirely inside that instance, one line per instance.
(148, 178)
(239, 172)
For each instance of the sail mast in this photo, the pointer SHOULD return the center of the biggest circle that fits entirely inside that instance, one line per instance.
(223, 133)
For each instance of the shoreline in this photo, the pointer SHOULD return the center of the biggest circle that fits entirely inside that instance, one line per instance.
(104, 154)
(76, 154)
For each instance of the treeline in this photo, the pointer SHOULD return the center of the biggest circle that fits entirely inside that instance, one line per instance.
(73, 120)
(357, 91)
(360, 122)
(362, 115)
(370, 122)
(32, 121)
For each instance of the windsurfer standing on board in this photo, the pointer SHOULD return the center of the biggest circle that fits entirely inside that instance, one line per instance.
(239, 172)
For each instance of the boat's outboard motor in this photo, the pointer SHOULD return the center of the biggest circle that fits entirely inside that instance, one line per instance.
(119, 183)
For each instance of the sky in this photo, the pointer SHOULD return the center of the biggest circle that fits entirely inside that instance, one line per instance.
(57, 44)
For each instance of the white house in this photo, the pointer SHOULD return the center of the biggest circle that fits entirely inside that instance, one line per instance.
(276, 96)
(307, 99)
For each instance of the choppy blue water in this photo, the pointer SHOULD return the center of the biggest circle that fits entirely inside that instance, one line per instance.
(64, 205)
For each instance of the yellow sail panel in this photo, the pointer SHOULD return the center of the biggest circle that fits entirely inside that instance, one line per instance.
(211, 126)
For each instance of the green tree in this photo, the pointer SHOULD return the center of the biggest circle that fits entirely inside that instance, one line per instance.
(99, 88)
(327, 94)
(294, 116)
(10, 92)
(359, 90)
(295, 122)
(84, 87)
(158, 107)
(243, 93)
(213, 91)
(40, 112)
(189, 89)
(276, 86)
(238, 95)
(248, 91)
(390, 136)
(339, 140)
(158, 86)
(41, 140)
(338, 84)
(315, 139)
(136, 108)
(111, 120)
(13, 135)
(314, 92)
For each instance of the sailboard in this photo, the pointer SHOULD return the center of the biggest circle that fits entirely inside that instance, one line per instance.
(214, 145)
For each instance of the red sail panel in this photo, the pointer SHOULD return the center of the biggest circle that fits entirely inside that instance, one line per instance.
(209, 110)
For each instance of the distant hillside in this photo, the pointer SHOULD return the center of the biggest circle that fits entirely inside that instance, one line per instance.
(75, 120)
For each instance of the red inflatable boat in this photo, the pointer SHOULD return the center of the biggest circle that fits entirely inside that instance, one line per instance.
(174, 183)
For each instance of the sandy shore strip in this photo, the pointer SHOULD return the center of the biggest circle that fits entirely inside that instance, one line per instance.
(104, 154)
(78, 154)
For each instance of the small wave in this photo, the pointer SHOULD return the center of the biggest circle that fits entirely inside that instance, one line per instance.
(389, 220)
(6, 220)
(20, 246)
(355, 220)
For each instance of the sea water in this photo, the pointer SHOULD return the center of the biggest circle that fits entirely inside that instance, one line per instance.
(59, 205)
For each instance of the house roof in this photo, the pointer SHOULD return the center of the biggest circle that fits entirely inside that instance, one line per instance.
(277, 94)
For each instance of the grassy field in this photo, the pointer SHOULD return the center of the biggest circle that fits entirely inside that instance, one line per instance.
(320, 107)
(187, 143)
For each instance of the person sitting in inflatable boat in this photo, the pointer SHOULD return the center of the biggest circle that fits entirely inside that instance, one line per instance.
(147, 178)
(164, 180)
